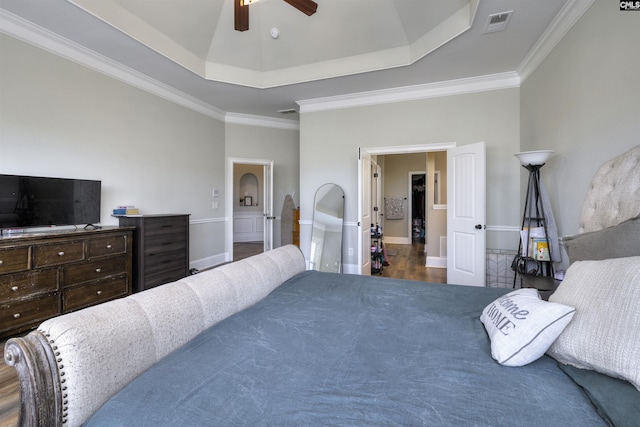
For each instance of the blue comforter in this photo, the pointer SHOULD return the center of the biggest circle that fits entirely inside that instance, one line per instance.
(328, 349)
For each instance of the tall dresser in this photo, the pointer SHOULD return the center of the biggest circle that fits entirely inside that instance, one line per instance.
(46, 274)
(160, 249)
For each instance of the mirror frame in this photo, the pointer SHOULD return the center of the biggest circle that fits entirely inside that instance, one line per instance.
(326, 235)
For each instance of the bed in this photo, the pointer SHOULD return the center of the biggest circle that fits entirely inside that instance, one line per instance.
(263, 342)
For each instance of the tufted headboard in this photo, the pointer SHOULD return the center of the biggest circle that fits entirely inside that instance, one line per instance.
(614, 193)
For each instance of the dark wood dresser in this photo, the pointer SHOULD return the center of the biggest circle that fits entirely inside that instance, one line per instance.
(46, 274)
(160, 249)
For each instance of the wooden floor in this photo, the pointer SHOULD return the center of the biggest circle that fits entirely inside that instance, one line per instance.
(408, 262)
(405, 262)
(9, 393)
(246, 249)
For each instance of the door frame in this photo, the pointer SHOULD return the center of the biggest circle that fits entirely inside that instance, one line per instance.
(267, 197)
(381, 151)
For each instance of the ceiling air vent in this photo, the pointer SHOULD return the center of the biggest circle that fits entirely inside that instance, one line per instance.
(288, 111)
(498, 22)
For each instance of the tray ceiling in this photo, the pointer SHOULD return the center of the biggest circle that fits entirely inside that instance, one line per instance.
(342, 38)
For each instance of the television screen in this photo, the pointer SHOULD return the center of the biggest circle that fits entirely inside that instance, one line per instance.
(29, 201)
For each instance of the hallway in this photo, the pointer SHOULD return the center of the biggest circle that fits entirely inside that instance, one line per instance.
(408, 262)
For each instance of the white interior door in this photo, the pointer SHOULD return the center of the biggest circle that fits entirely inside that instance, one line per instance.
(365, 173)
(466, 217)
(269, 217)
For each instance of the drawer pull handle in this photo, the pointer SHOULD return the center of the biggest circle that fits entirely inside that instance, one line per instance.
(98, 292)
(98, 270)
(109, 246)
(61, 253)
(16, 316)
(14, 288)
(1, 262)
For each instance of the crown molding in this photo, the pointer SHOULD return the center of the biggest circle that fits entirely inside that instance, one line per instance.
(559, 27)
(562, 23)
(28, 32)
(261, 121)
(411, 93)
(35, 35)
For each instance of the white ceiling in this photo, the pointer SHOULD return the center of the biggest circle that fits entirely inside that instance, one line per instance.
(188, 50)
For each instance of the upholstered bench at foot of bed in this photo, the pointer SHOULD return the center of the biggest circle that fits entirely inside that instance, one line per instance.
(93, 353)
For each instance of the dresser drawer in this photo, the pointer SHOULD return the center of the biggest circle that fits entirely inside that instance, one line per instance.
(56, 254)
(161, 277)
(165, 225)
(13, 315)
(22, 285)
(107, 246)
(164, 243)
(92, 270)
(14, 259)
(93, 293)
(164, 261)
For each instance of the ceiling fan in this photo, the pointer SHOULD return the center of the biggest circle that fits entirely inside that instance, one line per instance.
(241, 9)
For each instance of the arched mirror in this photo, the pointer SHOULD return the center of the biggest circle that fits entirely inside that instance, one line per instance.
(326, 236)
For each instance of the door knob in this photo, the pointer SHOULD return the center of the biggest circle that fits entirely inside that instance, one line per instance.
(479, 227)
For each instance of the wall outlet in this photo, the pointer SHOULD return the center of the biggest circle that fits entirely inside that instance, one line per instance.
(214, 205)
(350, 251)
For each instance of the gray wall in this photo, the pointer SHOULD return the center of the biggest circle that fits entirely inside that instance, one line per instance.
(60, 119)
(583, 101)
(329, 142)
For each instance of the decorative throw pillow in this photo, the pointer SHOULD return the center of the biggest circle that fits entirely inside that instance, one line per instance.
(604, 334)
(521, 326)
(618, 241)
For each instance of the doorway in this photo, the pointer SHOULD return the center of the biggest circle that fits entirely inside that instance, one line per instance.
(398, 187)
(407, 185)
(249, 207)
(466, 174)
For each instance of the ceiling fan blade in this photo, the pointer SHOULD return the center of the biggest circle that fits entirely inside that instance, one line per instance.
(308, 7)
(241, 15)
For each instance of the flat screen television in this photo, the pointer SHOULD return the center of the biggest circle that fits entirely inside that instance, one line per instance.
(33, 201)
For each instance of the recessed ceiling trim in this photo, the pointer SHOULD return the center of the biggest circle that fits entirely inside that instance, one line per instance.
(258, 75)
(457, 24)
(411, 93)
(462, 20)
(120, 18)
(374, 61)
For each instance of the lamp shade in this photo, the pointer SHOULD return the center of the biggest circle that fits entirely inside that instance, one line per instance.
(533, 157)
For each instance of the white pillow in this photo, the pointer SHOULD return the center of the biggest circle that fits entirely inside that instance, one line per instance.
(605, 334)
(521, 326)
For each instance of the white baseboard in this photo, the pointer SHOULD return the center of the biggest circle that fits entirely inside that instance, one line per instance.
(212, 261)
(350, 269)
(397, 240)
(436, 262)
